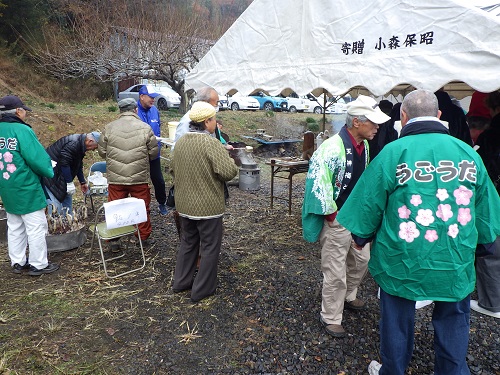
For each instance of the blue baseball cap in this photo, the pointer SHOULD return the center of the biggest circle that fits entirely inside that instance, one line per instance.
(96, 136)
(144, 91)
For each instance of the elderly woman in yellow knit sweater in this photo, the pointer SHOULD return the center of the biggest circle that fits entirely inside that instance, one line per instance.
(200, 166)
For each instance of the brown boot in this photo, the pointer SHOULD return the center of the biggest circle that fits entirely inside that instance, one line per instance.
(335, 330)
(357, 304)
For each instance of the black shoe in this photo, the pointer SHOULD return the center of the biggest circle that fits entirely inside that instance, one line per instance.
(147, 242)
(177, 291)
(114, 246)
(196, 300)
(17, 268)
(52, 267)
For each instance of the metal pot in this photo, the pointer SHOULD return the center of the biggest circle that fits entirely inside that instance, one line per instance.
(66, 241)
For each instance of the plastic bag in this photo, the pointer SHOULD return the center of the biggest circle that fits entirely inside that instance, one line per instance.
(98, 179)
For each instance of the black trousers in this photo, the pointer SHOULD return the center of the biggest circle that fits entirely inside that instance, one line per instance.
(206, 234)
(488, 280)
(157, 180)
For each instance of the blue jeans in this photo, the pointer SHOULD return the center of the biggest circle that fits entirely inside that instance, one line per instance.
(67, 202)
(451, 335)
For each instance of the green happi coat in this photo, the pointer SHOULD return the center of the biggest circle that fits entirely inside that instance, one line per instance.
(428, 201)
(323, 185)
(23, 161)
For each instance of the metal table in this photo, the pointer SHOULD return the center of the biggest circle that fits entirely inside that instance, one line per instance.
(271, 141)
(286, 169)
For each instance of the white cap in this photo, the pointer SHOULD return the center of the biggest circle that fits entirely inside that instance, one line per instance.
(366, 106)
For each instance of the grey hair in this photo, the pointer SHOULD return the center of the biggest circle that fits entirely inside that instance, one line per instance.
(198, 126)
(350, 118)
(9, 111)
(420, 103)
(204, 94)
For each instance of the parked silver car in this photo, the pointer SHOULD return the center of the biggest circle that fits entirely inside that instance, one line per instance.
(168, 98)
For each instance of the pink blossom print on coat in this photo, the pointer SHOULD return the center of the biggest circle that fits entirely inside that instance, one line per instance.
(462, 195)
(444, 212)
(408, 231)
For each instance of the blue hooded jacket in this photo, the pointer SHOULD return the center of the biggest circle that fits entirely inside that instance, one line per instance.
(151, 117)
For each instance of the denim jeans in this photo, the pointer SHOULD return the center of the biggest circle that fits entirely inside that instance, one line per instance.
(451, 335)
(67, 202)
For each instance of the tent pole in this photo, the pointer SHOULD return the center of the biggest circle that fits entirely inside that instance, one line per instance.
(324, 110)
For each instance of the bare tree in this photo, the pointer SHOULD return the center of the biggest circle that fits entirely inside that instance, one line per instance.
(116, 39)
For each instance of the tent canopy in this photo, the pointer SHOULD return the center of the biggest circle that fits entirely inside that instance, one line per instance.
(368, 46)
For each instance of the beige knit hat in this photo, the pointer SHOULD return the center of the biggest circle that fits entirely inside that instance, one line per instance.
(200, 111)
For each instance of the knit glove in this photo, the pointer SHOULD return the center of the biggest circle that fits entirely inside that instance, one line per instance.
(70, 188)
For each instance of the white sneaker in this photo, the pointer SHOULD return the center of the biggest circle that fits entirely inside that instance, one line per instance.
(420, 304)
(374, 368)
(474, 305)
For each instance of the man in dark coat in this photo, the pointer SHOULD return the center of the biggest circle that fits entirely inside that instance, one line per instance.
(488, 266)
(386, 132)
(68, 152)
(455, 116)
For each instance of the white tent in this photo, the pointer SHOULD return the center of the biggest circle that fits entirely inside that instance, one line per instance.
(383, 46)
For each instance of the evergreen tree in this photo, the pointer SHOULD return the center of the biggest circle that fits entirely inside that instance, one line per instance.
(21, 16)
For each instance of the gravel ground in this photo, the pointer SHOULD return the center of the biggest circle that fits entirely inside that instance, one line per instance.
(262, 320)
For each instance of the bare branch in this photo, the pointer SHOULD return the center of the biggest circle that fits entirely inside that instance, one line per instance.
(115, 39)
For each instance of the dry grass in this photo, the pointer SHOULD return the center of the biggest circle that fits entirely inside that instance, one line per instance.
(19, 77)
(192, 333)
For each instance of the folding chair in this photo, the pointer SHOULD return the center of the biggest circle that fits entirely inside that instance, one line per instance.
(103, 233)
(95, 189)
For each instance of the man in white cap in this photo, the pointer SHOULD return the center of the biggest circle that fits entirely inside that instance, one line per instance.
(334, 169)
(68, 152)
(23, 161)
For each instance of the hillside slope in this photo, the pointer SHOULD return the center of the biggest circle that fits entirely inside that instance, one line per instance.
(66, 107)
